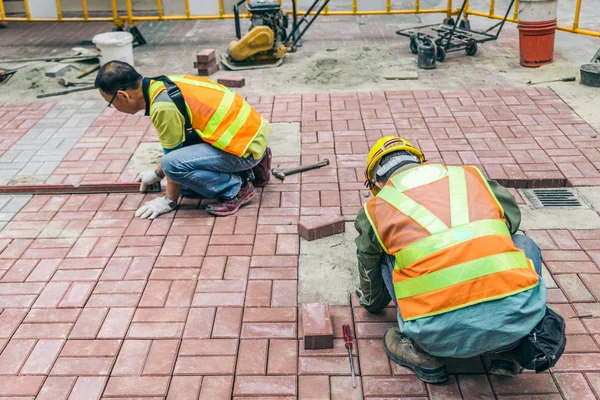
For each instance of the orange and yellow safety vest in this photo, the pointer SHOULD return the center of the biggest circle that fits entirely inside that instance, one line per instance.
(447, 232)
(219, 115)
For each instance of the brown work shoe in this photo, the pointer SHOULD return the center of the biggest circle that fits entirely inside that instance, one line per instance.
(502, 364)
(262, 171)
(404, 352)
(231, 206)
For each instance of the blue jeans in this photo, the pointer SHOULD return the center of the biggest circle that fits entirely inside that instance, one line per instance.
(206, 170)
(532, 251)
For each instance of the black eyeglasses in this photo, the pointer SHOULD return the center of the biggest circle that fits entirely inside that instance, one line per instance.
(113, 98)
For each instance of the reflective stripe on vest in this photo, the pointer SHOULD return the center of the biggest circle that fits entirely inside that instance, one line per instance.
(417, 289)
(224, 140)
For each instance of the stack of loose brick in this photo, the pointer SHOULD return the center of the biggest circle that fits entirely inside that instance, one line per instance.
(206, 62)
(316, 326)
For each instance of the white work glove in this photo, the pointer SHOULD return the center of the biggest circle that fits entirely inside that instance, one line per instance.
(147, 178)
(156, 207)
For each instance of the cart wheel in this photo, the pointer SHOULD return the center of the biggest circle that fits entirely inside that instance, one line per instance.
(441, 54)
(471, 49)
(414, 47)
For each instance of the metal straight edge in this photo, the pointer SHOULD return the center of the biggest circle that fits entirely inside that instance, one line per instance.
(125, 187)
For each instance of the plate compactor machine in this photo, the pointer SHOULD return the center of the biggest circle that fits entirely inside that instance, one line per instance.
(268, 40)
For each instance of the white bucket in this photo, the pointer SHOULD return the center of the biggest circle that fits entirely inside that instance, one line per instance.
(537, 10)
(114, 46)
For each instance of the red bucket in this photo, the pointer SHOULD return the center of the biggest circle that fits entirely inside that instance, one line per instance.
(536, 42)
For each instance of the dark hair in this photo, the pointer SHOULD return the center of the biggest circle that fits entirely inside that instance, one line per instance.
(117, 75)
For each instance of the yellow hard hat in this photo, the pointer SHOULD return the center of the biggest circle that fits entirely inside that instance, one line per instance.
(387, 145)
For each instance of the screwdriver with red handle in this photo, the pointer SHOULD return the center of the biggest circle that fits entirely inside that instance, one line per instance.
(348, 344)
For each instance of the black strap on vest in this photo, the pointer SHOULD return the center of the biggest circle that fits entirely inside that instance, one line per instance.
(191, 136)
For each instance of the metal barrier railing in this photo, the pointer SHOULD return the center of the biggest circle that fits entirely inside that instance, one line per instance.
(159, 14)
(573, 29)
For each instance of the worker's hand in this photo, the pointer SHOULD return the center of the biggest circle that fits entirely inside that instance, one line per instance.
(148, 178)
(156, 207)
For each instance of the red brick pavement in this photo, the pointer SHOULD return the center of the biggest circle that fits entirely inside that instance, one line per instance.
(95, 302)
(17, 119)
(521, 137)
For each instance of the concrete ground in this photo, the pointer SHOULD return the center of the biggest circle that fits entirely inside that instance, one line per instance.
(96, 304)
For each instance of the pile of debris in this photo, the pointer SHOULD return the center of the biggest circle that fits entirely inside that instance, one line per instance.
(50, 76)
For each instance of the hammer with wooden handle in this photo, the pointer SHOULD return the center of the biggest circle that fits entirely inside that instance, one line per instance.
(280, 174)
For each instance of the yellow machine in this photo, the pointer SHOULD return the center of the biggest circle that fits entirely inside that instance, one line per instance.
(267, 42)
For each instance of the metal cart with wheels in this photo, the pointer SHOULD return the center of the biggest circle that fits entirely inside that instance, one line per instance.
(448, 37)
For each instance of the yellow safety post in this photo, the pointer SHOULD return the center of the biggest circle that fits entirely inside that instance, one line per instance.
(159, 9)
(516, 14)
(576, 18)
(492, 6)
(27, 10)
(417, 5)
(354, 7)
(466, 11)
(388, 6)
(326, 10)
(449, 10)
(187, 9)
(115, 13)
(58, 11)
(85, 10)
(222, 8)
(2, 13)
(129, 13)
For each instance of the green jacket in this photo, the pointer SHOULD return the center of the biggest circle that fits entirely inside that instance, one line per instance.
(375, 296)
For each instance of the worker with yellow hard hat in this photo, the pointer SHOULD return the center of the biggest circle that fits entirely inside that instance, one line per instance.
(442, 243)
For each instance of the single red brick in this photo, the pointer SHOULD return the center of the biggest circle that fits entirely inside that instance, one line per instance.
(408, 385)
(258, 294)
(206, 55)
(283, 356)
(90, 348)
(88, 366)
(209, 70)
(284, 293)
(205, 365)
(313, 387)
(326, 366)
(232, 81)
(265, 386)
(137, 386)
(312, 228)
(89, 387)
(252, 357)
(216, 388)
(227, 323)
(184, 388)
(269, 330)
(317, 326)
(373, 360)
